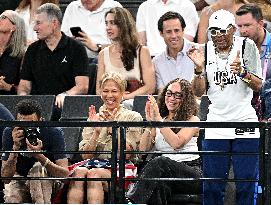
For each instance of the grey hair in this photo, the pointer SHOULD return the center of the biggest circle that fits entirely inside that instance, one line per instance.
(52, 10)
(17, 42)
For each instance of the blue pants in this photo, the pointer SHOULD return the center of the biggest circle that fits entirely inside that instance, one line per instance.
(217, 166)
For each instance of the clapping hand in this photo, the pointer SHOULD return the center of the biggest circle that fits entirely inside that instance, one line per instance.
(107, 115)
(152, 110)
(93, 116)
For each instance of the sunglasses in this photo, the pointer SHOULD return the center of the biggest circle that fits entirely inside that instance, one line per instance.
(6, 17)
(214, 31)
(176, 95)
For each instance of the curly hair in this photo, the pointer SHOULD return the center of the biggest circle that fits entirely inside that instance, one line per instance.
(188, 106)
(128, 36)
(28, 107)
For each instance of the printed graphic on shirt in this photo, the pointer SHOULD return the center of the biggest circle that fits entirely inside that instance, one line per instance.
(224, 77)
(242, 131)
(64, 60)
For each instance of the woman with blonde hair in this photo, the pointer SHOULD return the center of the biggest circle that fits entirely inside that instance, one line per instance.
(100, 139)
(229, 5)
(12, 49)
(27, 10)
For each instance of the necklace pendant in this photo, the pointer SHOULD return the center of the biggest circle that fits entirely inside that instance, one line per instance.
(222, 86)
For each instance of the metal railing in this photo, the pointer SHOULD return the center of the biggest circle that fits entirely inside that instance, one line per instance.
(264, 151)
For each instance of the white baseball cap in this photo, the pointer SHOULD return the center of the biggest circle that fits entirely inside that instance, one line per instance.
(210, 1)
(221, 19)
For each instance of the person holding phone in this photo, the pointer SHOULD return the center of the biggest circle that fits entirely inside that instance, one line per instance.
(89, 16)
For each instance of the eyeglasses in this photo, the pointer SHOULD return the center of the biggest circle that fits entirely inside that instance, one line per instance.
(214, 32)
(176, 95)
(6, 17)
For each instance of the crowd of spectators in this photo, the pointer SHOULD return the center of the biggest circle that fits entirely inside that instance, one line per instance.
(178, 50)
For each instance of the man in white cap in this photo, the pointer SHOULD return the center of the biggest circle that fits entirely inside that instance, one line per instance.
(229, 73)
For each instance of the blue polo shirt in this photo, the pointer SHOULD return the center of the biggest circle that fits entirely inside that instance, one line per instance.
(52, 139)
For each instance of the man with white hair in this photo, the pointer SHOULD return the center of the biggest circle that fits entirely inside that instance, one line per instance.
(230, 72)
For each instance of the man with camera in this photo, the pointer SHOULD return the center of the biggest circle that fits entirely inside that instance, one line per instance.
(49, 139)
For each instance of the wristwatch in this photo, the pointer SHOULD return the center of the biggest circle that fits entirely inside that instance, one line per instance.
(99, 46)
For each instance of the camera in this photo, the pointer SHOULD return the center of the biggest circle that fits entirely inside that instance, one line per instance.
(32, 134)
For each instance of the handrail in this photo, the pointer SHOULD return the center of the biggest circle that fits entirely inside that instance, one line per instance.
(264, 151)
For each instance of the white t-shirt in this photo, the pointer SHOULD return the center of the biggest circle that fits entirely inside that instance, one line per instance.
(91, 22)
(29, 26)
(233, 103)
(149, 13)
(191, 146)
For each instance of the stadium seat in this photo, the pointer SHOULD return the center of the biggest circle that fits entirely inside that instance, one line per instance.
(46, 102)
(76, 106)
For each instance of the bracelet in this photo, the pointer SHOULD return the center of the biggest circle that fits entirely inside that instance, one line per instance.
(46, 162)
(243, 72)
(99, 46)
(247, 80)
(197, 72)
(201, 75)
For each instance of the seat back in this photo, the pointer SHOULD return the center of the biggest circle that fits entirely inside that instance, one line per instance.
(72, 136)
(203, 108)
(76, 106)
(46, 102)
(92, 78)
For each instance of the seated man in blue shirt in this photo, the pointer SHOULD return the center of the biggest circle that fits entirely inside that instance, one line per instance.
(49, 139)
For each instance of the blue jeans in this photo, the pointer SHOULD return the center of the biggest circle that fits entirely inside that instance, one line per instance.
(244, 167)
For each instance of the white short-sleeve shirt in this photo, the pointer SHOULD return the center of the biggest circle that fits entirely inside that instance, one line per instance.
(91, 22)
